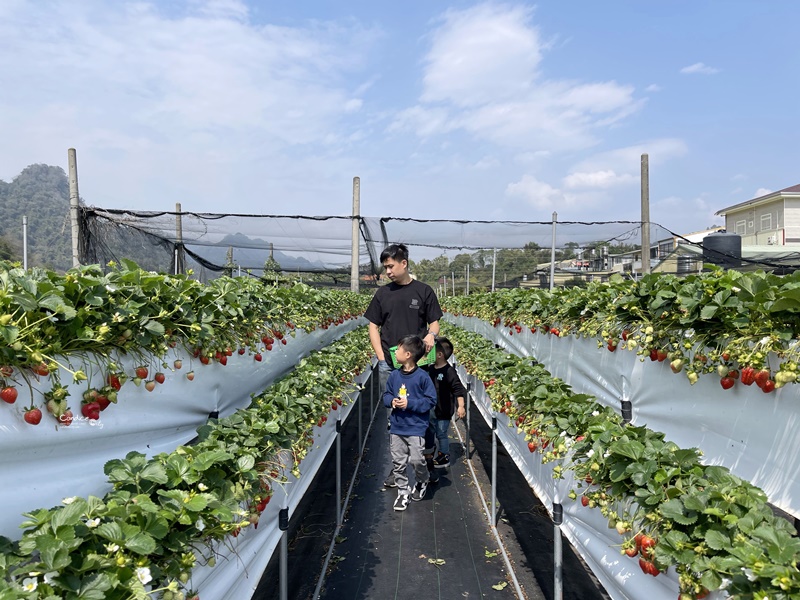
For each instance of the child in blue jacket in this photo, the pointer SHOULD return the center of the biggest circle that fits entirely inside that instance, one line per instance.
(411, 395)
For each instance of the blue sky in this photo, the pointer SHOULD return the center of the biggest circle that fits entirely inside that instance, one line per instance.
(465, 110)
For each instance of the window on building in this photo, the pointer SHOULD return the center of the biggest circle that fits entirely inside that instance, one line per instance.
(766, 222)
(740, 227)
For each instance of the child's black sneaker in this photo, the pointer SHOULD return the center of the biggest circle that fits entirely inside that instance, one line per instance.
(442, 461)
(389, 482)
(433, 476)
(419, 491)
(401, 502)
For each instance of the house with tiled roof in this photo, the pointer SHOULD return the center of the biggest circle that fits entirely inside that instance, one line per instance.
(769, 220)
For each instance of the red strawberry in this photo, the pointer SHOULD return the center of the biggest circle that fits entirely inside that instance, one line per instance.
(9, 394)
(204, 359)
(223, 360)
(585, 500)
(532, 446)
(769, 386)
(91, 410)
(257, 357)
(41, 369)
(33, 416)
(726, 383)
(102, 401)
(631, 551)
(141, 372)
(241, 351)
(748, 375)
(283, 341)
(66, 418)
(159, 377)
(761, 377)
(113, 381)
(268, 347)
(653, 354)
(662, 354)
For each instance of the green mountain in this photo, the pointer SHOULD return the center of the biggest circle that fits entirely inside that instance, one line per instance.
(41, 193)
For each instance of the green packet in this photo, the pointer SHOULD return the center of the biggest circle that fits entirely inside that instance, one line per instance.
(428, 359)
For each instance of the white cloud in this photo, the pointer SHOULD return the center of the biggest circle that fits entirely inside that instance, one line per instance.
(762, 192)
(197, 96)
(481, 75)
(486, 53)
(653, 87)
(598, 179)
(540, 195)
(699, 68)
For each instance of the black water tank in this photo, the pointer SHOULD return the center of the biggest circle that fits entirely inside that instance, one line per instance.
(723, 249)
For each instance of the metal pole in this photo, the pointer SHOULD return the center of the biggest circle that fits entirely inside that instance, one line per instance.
(553, 253)
(494, 265)
(445, 286)
(283, 576)
(372, 393)
(338, 471)
(354, 251)
(25, 242)
(494, 469)
(645, 214)
(453, 279)
(360, 408)
(466, 278)
(179, 267)
(558, 579)
(466, 425)
(74, 203)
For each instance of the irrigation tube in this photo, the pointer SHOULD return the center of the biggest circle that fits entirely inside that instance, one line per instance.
(489, 516)
(324, 570)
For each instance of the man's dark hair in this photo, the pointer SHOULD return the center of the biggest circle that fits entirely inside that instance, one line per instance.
(414, 344)
(397, 252)
(444, 346)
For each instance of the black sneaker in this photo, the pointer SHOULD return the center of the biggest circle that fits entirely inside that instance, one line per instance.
(401, 502)
(419, 491)
(442, 461)
(389, 481)
(433, 476)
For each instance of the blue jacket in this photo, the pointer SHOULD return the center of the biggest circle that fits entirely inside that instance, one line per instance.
(421, 394)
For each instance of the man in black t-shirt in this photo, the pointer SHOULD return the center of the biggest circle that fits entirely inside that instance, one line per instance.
(403, 307)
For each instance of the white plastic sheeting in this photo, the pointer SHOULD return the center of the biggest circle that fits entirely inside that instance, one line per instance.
(40, 465)
(751, 433)
(242, 560)
(755, 435)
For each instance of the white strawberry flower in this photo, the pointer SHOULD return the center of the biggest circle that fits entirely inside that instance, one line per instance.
(595, 413)
(92, 523)
(590, 453)
(111, 548)
(750, 575)
(202, 487)
(143, 575)
(562, 434)
(29, 584)
(69, 500)
(200, 525)
(725, 583)
(49, 576)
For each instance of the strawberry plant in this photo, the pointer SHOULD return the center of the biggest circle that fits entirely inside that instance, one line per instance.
(715, 529)
(167, 514)
(723, 318)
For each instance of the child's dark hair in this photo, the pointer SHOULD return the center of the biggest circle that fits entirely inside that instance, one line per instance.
(414, 344)
(444, 346)
(396, 252)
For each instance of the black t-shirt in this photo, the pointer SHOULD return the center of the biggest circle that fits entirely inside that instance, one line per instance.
(403, 310)
(448, 388)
